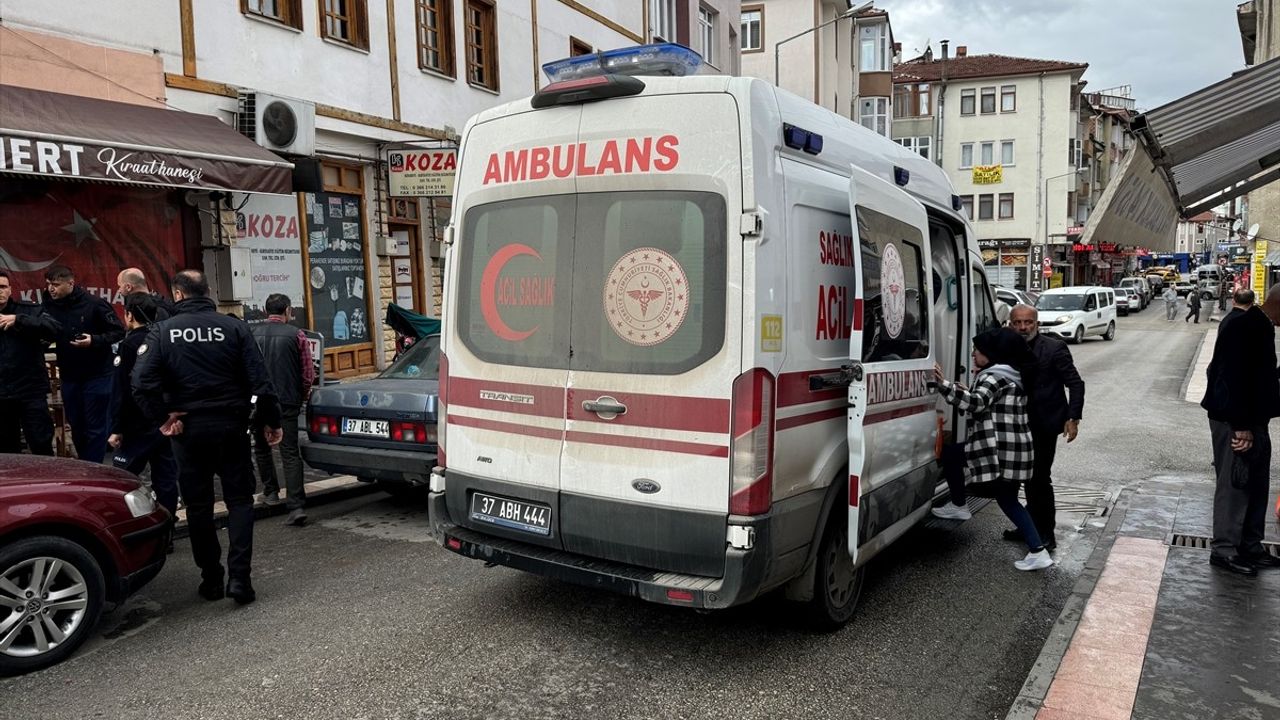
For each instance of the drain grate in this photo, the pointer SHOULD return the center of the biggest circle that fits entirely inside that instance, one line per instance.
(1079, 501)
(1201, 542)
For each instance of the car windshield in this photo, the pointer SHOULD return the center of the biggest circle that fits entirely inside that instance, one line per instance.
(420, 362)
(1061, 302)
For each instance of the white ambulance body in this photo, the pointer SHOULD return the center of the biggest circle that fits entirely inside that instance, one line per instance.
(689, 323)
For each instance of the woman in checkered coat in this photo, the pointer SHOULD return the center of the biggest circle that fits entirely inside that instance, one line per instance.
(999, 450)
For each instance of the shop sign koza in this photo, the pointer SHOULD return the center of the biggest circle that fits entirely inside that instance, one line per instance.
(417, 172)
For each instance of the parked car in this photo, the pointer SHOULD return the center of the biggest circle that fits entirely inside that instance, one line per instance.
(1074, 313)
(1134, 296)
(380, 430)
(1184, 287)
(1012, 296)
(1142, 286)
(73, 537)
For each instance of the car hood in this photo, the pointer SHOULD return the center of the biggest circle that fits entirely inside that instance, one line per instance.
(380, 394)
(1055, 314)
(28, 470)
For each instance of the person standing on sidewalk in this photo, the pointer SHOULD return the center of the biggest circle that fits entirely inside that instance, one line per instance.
(25, 331)
(1242, 396)
(200, 369)
(287, 355)
(89, 328)
(1056, 407)
(131, 280)
(136, 441)
(1170, 297)
(999, 449)
(1193, 306)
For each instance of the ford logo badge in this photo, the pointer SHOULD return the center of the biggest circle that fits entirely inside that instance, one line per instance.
(648, 487)
(364, 400)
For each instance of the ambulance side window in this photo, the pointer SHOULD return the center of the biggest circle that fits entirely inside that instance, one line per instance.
(984, 312)
(895, 289)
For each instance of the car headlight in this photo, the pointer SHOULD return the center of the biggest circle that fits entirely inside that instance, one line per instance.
(1064, 318)
(141, 501)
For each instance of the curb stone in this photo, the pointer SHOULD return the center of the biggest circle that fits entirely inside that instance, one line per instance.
(1036, 686)
(340, 487)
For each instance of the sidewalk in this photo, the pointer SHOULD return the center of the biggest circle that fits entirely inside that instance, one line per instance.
(1152, 631)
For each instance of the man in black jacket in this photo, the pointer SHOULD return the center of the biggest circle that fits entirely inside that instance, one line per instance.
(1056, 405)
(131, 280)
(201, 369)
(287, 355)
(89, 328)
(25, 331)
(1242, 397)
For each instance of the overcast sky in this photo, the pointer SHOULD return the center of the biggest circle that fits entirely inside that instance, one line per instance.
(1163, 48)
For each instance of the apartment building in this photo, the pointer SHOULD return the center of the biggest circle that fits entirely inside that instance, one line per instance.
(1259, 22)
(358, 94)
(1008, 132)
(1202, 234)
(825, 53)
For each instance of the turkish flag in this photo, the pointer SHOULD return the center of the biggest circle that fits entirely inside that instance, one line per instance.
(96, 230)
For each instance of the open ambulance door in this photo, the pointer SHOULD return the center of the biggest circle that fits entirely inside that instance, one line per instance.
(891, 421)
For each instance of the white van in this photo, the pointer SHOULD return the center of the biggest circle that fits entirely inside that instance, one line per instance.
(690, 324)
(1074, 313)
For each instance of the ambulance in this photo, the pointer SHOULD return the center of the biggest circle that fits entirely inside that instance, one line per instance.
(690, 327)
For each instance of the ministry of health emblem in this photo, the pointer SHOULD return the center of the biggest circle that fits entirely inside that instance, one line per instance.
(646, 296)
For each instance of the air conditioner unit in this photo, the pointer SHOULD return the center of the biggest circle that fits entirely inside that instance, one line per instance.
(280, 124)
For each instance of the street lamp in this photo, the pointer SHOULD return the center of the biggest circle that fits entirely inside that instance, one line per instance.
(776, 46)
(1077, 171)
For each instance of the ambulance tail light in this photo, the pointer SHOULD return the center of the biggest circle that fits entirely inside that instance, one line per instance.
(442, 398)
(572, 92)
(751, 488)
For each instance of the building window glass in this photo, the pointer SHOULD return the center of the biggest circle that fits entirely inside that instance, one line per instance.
(707, 34)
(753, 29)
(875, 114)
(662, 19)
(345, 21)
(482, 44)
(918, 145)
(988, 100)
(966, 155)
(1006, 206)
(578, 47)
(988, 153)
(875, 48)
(1006, 152)
(435, 36)
(1008, 98)
(911, 100)
(967, 100)
(985, 207)
(288, 12)
(966, 202)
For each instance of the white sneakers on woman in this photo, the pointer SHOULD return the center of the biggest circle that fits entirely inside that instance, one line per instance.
(1035, 561)
(951, 511)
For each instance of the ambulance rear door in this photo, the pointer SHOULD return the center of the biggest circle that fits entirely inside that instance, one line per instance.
(645, 473)
(892, 426)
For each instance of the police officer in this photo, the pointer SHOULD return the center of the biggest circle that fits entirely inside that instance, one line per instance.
(197, 374)
(25, 331)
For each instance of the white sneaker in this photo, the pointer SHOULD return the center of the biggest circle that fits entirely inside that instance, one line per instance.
(1035, 561)
(951, 511)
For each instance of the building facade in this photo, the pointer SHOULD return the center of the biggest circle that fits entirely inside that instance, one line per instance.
(348, 91)
(818, 50)
(1007, 131)
(1259, 22)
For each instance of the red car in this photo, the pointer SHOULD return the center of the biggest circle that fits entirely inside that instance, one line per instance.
(73, 536)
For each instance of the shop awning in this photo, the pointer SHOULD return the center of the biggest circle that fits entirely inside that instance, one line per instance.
(1218, 142)
(67, 136)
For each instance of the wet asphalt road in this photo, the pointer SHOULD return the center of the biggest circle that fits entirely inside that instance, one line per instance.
(360, 615)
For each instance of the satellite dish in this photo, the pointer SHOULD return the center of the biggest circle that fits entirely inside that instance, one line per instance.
(1253, 231)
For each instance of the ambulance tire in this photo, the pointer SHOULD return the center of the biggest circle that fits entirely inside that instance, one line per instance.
(837, 585)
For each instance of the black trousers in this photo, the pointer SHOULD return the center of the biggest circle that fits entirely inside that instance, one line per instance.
(217, 445)
(290, 457)
(1240, 494)
(30, 417)
(1039, 489)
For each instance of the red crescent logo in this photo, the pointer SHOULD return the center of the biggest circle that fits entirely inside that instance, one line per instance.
(489, 284)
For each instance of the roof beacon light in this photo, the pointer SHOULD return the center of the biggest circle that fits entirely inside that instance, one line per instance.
(658, 59)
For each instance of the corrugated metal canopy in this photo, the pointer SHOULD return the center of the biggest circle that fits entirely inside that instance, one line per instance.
(1211, 140)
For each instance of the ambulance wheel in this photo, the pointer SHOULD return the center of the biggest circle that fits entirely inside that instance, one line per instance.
(837, 584)
(1111, 332)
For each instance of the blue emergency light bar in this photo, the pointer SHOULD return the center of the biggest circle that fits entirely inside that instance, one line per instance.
(658, 59)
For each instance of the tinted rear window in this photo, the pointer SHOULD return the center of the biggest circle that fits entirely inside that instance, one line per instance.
(609, 282)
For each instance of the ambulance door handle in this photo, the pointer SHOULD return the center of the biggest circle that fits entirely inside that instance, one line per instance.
(606, 407)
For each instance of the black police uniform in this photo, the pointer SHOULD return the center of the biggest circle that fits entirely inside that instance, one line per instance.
(208, 366)
(24, 389)
(141, 443)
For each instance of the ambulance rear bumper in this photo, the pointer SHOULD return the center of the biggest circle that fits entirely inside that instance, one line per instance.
(744, 570)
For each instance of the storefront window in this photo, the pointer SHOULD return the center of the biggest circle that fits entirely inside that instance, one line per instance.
(337, 277)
